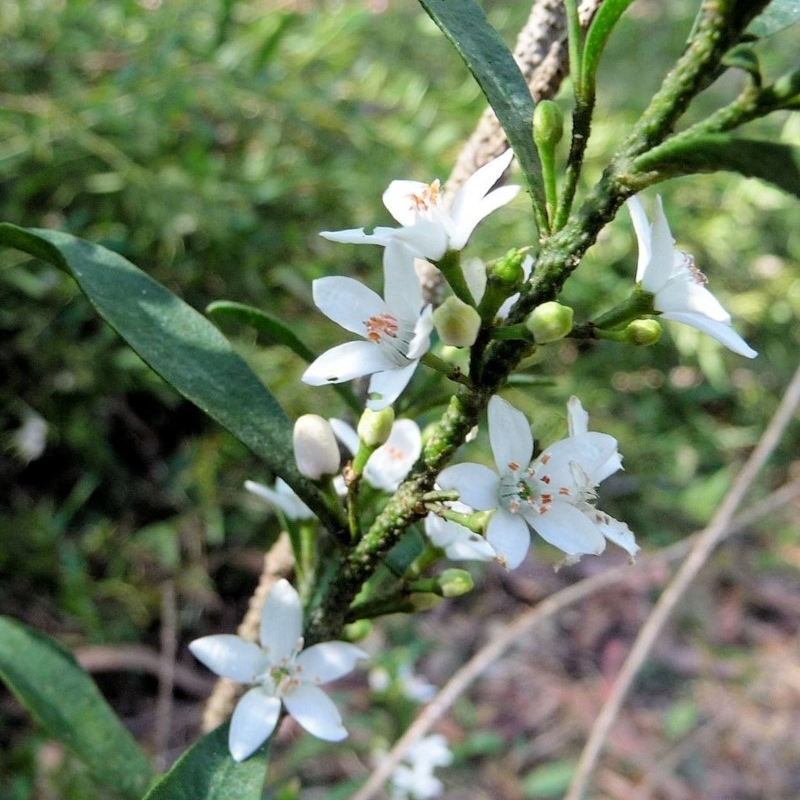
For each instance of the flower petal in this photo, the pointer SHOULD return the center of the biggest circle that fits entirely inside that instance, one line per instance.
(347, 302)
(577, 417)
(381, 236)
(509, 434)
(386, 386)
(467, 218)
(281, 622)
(401, 286)
(510, 536)
(315, 712)
(346, 434)
(328, 661)
(717, 330)
(392, 461)
(476, 187)
(641, 226)
(477, 485)
(345, 362)
(253, 721)
(567, 528)
(282, 497)
(230, 656)
(590, 451)
(614, 530)
(399, 200)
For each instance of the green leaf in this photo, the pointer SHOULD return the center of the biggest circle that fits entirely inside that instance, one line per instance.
(180, 345)
(206, 771)
(278, 332)
(59, 694)
(778, 164)
(491, 62)
(779, 14)
(600, 29)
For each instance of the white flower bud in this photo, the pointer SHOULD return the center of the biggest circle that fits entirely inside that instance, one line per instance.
(315, 449)
(549, 322)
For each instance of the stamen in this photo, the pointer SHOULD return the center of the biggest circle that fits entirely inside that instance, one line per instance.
(689, 263)
(427, 198)
(382, 325)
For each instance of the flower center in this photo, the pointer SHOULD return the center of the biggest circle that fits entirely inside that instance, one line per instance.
(531, 489)
(427, 199)
(392, 335)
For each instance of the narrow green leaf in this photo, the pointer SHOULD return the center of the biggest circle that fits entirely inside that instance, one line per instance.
(66, 702)
(778, 164)
(206, 771)
(277, 331)
(494, 68)
(779, 14)
(182, 346)
(600, 29)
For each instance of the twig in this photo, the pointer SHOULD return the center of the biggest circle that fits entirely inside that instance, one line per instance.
(166, 672)
(528, 620)
(699, 554)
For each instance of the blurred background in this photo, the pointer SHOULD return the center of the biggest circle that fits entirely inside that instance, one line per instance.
(209, 141)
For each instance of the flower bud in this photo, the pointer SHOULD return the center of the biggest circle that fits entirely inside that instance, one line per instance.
(504, 278)
(374, 427)
(424, 601)
(356, 631)
(457, 323)
(455, 582)
(315, 449)
(643, 332)
(549, 322)
(548, 124)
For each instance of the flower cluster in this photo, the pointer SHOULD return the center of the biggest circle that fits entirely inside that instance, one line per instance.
(553, 494)
(396, 328)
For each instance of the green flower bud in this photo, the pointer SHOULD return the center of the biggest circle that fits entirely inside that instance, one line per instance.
(548, 124)
(643, 332)
(356, 631)
(549, 322)
(455, 582)
(374, 427)
(315, 449)
(507, 271)
(457, 323)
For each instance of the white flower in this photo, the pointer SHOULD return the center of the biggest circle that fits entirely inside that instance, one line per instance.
(429, 230)
(396, 330)
(389, 464)
(278, 672)
(458, 542)
(411, 686)
(553, 494)
(415, 780)
(678, 286)
(282, 497)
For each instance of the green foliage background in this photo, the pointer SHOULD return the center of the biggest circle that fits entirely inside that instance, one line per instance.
(209, 141)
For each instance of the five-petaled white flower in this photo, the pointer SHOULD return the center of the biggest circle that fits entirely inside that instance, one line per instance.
(428, 228)
(677, 284)
(414, 779)
(397, 330)
(279, 670)
(390, 463)
(553, 495)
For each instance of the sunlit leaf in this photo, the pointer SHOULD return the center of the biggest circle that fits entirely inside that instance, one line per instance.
(600, 29)
(494, 68)
(778, 164)
(779, 14)
(206, 771)
(181, 345)
(60, 695)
